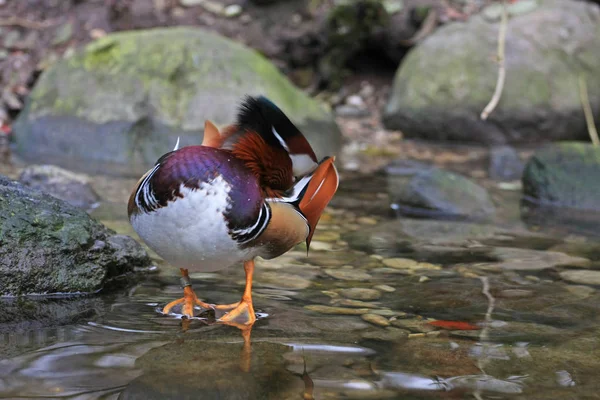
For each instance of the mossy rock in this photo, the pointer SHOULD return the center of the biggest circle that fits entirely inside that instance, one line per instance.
(435, 193)
(48, 246)
(564, 175)
(122, 101)
(445, 82)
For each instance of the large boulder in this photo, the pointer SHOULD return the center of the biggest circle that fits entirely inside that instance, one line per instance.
(48, 246)
(446, 81)
(560, 187)
(122, 101)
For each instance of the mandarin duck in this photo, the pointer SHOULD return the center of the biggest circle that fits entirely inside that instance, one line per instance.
(255, 188)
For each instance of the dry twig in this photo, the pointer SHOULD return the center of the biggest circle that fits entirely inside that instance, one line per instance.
(587, 110)
(501, 65)
(25, 23)
(425, 30)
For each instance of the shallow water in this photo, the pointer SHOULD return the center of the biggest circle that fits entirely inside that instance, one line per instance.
(531, 313)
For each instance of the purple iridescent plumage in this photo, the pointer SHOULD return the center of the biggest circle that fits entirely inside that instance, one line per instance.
(194, 165)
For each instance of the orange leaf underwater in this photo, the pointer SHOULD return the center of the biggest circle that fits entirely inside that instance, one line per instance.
(454, 325)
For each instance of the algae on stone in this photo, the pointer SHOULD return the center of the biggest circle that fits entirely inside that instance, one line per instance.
(48, 246)
(445, 82)
(122, 101)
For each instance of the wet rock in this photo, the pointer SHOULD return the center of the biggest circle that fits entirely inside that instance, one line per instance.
(389, 334)
(346, 274)
(399, 263)
(31, 314)
(413, 325)
(385, 288)
(336, 310)
(532, 260)
(581, 291)
(73, 188)
(435, 193)
(355, 303)
(151, 87)
(171, 372)
(282, 280)
(518, 332)
(515, 293)
(376, 319)
(505, 164)
(440, 95)
(559, 184)
(361, 294)
(49, 246)
(584, 277)
(337, 324)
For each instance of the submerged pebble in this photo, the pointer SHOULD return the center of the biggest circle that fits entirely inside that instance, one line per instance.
(337, 310)
(348, 274)
(375, 319)
(361, 294)
(586, 277)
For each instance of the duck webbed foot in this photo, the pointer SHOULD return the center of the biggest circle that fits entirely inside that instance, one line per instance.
(243, 311)
(189, 298)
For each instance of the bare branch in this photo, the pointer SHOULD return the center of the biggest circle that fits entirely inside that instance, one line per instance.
(501, 65)
(587, 110)
(25, 23)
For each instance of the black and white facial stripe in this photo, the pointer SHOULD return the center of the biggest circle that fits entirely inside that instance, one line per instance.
(145, 200)
(250, 233)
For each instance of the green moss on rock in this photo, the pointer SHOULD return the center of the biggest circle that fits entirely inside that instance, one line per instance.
(446, 81)
(122, 101)
(49, 246)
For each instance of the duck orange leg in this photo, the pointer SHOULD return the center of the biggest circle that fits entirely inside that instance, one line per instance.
(242, 312)
(189, 298)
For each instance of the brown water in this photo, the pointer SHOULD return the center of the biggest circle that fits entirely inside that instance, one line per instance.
(528, 295)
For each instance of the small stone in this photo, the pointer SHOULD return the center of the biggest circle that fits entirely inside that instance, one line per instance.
(423, 279)
(581, 291)
(351, 111)
(389, 313)
(388, 335)
(348, 274)
(375, 319)
(399, 263)
(505, 163)
(367, 221)
(416, 335)
(515, 293)
(97, 33)
(282, 280)
(63, 34)
(355, 303)
(413, 325)
(190, 3)
(586, 277)
(178, 12)
(337, 310)
(213, 7)
(326, 236)
(233, 10)
(355, 101)
(320, 246)
(385, 288)
(361, 294)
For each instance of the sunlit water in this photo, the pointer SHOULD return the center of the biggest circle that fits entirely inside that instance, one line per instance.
(535, 334)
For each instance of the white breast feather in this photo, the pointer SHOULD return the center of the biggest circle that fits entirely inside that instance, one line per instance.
(191, 232)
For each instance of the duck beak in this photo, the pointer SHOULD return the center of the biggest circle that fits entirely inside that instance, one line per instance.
(320, 190)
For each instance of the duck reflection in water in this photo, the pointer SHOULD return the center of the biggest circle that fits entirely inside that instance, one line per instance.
(212, 366)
